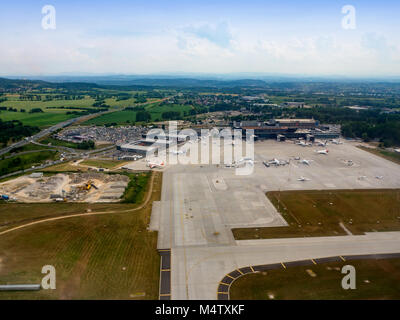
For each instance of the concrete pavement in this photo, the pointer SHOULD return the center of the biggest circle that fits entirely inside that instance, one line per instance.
(201, 203)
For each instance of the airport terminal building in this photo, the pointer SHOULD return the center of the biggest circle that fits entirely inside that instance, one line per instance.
(308, 129)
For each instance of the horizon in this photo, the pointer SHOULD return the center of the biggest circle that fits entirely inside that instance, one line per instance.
(238, 76)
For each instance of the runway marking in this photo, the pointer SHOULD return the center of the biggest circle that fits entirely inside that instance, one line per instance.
(240, 272)
(165, 295)
(368, 256)
(165, 269)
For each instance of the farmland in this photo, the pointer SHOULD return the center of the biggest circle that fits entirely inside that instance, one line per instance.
(108, 256)
(129, 116)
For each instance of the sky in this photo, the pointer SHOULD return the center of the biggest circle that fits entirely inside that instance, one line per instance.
(188, 36)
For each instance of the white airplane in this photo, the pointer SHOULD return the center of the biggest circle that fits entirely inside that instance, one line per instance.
(305, 161)
(322, 144)
(265, 163)
(153, 165)
(303, 144)
(243, 161)
(336, 142)
(303, 179)
(325, 151)
(379, 177)
(277, 162)
(350, 163)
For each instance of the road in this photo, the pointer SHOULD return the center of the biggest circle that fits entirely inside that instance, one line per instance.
(47, 131)
(205, 267)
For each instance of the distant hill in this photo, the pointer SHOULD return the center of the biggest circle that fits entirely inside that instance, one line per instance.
(18, 84)
(126, 81)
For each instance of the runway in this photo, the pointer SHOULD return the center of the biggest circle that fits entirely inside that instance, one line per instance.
(201, 203)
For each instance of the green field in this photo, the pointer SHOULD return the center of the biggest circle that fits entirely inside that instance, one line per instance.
(44, 119)
(129, 116)
(110, 256)
(134, 193)
(375, 279)
(106, 164)
(56, 142)
(53, 111)
(319, 213)
(25, 161)
(27, 147)
(28, 105)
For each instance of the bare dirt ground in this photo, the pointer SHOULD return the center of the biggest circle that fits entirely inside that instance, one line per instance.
(75, 187)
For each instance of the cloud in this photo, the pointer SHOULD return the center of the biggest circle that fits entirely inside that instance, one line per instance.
(379, 45)
(219, 34)
(200, 48)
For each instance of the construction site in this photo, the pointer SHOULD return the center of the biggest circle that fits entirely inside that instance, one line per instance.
(66, 187)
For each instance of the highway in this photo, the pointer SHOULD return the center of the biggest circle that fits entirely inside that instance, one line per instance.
(47, 131)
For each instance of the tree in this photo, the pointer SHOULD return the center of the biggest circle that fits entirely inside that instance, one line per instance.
(143, 116)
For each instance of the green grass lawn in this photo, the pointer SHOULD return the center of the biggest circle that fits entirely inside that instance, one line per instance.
(56, 142)
(318, 213)
(375, 279)
(107, 164)
(110, 256)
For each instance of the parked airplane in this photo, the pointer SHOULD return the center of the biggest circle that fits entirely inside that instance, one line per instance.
(303, 179)
(303, 144)
(325, 151)
(322, 144)
(153, 165)
(336, 142)
(305, 161)
(277, 162)
(379, 177)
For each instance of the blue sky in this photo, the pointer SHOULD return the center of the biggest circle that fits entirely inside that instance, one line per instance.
(160, 36)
